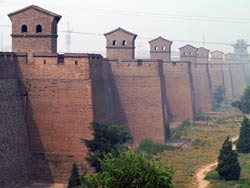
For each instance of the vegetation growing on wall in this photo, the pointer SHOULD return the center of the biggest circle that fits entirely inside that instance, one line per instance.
(132, 170)
(219, 96)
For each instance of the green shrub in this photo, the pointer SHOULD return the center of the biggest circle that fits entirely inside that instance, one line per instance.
(153, 148)
(244, 103)
(201, 116)
(130, 170)
(177, 132)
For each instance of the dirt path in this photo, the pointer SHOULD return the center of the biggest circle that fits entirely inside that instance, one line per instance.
(203, 171)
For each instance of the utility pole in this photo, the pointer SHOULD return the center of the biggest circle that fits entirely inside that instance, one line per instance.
(68, 37)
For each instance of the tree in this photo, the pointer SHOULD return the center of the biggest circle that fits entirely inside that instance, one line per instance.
(243, 144)
(106, 138)
(228, 166)
(132, 170)
(219, 95)
(244, 103)
(74, 179)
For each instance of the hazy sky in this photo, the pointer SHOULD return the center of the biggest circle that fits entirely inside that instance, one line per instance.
(217, 21)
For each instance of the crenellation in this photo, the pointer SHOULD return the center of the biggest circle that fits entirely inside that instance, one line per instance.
(48, 99)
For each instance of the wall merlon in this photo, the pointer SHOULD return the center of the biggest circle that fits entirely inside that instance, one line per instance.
(136, 67)
(176, 67)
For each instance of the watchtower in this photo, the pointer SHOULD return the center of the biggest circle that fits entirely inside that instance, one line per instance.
(160, 48)
(202, 55)
(240, 50)
(34, 29)
(188, 53)
(217, 56)
(120, 44)
(230, 58)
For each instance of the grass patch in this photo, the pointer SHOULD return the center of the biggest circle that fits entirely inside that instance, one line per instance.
(176, 133)
(206, 142)
(201, 116)
(152, 148)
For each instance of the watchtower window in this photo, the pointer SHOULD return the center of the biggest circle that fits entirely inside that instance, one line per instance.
(24, 29)
(39, 29)
(156, 48)
(124, 43)
(164, 48)
(114, 42)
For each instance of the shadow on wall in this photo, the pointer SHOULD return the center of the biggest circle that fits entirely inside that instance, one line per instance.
(107, 107)
(39, 164)
(40, 169)
(20, 162)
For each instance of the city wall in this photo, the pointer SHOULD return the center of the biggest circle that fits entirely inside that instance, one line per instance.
(59, 111)
(216, 75)
(238, 78)
(15, 155)
(140, 87)
(180, 91)
(202, 87)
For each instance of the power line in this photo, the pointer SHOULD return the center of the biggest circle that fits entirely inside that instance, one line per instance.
(5, 25)
(154, 14)
(143, 38)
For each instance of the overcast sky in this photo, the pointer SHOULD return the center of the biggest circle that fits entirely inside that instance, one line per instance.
(216, 21)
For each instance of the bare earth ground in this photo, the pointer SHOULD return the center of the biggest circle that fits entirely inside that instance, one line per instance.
(203, 171)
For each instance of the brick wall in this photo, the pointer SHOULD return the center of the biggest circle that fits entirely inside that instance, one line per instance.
(179, 90)
(14, 147)
(216, 75)
(139, 87)
(238, 78)
(227, 81)
(61, 108)
(202, 87)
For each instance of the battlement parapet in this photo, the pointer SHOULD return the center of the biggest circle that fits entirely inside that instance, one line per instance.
(176, 67)
(139, 67)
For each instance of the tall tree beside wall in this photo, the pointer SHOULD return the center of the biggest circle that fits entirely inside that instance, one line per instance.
(243, 144)
(106, 138)
(244, 103)
(228, 166)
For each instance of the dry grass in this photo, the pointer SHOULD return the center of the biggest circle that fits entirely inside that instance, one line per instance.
(208, 139)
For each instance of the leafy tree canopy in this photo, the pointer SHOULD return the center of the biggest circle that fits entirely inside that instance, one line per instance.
(129, 169)
(244, 103)
(106, 138)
